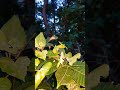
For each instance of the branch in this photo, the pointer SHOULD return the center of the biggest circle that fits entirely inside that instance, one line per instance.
(44, 14)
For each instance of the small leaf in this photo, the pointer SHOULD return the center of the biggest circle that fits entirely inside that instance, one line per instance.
(37, 62)
(5, 84)
(55, 50)
(74, 58)
(40, 41)
(51, 54)
(53, 38)
(61, 45)
(41, 54)
(68, 55)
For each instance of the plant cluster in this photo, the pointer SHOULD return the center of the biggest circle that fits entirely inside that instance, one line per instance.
(14, 65)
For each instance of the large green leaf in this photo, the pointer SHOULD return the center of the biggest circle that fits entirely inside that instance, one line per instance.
(66, 73)
(40, 41)
(5, 84)
(93, 78)
(12, 36)
(17, 69)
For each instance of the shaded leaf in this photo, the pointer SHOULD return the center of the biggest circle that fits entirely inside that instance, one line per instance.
(16, 69)
(106, 86)
(5, 84)
(15, 35)
(32, 87)
(93, 78)
(31, 67)
(44, 86)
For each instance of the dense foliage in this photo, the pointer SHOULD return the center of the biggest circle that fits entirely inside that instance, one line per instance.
(14, 74)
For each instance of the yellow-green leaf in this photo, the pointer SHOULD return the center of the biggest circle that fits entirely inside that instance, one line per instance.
(66, 74)
(40, 74)
(73, 59)
(41, 54)
(40, 41)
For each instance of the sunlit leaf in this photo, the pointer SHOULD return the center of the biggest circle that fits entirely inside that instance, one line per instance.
(61, 45)
(68, 55)
(66, 74)
(40, 41)
(54, 66)
(51, 54)
(41, 54)
(40, 74)
(55, 50)
(37, 62)
(74, 58)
